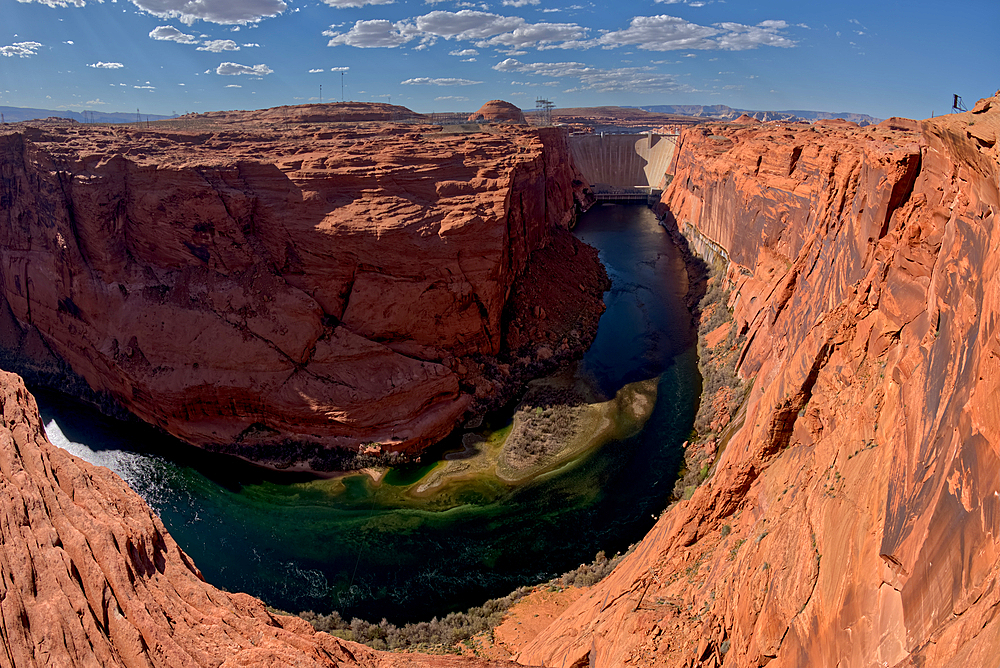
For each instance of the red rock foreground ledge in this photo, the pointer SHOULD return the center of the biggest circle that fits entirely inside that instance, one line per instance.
(272, 285)
(89, 577)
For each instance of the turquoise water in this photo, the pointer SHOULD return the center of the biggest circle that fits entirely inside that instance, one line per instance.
(375, 551)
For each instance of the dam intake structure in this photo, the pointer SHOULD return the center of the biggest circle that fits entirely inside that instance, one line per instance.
(624, 168)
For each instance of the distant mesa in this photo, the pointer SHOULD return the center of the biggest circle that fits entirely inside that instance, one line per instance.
(498, 111)
(334, 112)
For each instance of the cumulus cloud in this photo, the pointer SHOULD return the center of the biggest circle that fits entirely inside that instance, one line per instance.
(620, 79)
(59, 3)
(226, 12)
(233, 69)
(21, 49)
(484, 29)
(372, 34)
(465, 53)
(452, 98)
(172, 34)
(357, 3)
(106, 66)
(317, 71)
(670, 33)
(520, 3)
(448, 81)
(219, 45)
(466, 24)
(541, 34)
(339, 69)
(232, 86)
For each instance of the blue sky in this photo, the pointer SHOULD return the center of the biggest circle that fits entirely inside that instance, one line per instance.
(175, 56)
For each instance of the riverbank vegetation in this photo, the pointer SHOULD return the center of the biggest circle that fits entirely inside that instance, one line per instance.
(723, 391)
(445, 635)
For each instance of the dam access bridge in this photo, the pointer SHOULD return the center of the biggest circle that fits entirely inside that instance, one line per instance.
(624, 167)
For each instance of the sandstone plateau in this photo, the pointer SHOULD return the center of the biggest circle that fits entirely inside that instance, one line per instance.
(286, 285)
(854, 520)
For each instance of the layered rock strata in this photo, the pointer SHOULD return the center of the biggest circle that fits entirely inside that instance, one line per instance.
(854, 520)
(315, 285)
(89, 577)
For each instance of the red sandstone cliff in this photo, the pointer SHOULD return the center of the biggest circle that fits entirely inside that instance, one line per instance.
(89, 577)
(325, 285)
(854, 520)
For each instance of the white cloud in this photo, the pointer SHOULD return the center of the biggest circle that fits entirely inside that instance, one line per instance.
(484, 29)
(466, 24)
(106, 66)
(448, 81)
(669, 33)
(172, 34)
(339, 69)
(219, 45)
(69, 41)
(373, 34)
(251, 45)
(540, 34)
(467, 60)
(233, 69)
(739, 37)
(96, 102)
(145, 87)
(317, 71)
(520, 3)
(21, 49)
(59, 3)
(621, 79)
(464, 53)
(453, 98)
(357, 3)
(226, 12)
(232, 86)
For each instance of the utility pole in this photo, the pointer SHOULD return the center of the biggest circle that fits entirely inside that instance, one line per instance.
(342, 86)
(321, 93)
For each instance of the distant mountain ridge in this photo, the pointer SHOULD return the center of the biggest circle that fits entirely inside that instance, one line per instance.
(722, 111)
(19, 114)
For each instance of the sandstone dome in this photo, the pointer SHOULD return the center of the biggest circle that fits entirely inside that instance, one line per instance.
(498, 111)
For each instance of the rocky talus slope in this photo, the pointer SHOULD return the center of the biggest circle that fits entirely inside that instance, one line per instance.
(277, 287)
(89, 577)
(854, 520)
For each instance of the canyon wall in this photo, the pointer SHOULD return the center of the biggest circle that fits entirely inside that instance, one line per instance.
(89, 577)
(854, 520)
(270, 288)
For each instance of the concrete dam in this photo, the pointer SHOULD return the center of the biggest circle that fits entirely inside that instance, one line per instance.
(623, 167)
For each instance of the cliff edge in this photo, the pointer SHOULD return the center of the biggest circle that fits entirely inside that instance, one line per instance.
(278, 290)
(854, 520)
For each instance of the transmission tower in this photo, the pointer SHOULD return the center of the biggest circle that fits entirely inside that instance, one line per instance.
(544, 109)
(957, 105)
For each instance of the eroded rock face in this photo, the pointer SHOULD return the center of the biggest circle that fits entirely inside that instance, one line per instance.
(89, 576)
(498, 111)
(854, 520)
(315, 284)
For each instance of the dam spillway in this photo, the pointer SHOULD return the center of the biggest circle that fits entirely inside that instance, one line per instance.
(623, 167)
